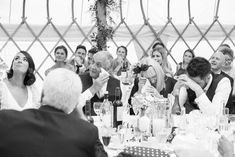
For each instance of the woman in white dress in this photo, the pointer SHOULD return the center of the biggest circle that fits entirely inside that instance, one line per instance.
(17, 91)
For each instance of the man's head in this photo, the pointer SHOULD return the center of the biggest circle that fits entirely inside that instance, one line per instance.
(199, 70)
(217, 61)
(102, 59)
(90, 55)
(228, 56)
(61, 90)
(80, 52)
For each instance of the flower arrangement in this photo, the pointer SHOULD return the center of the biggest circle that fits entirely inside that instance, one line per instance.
(144, 103)
(139, 68)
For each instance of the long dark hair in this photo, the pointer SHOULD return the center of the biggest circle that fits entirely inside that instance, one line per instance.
(190, 51)
(29, 77)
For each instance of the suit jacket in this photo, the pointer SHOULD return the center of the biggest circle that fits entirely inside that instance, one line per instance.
(111, 85)
(46, 132)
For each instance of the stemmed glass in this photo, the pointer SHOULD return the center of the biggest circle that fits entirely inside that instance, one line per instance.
(106, 140)
(97, 108)
(106, 135)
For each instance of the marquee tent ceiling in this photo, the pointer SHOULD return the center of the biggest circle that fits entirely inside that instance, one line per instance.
(198, 24)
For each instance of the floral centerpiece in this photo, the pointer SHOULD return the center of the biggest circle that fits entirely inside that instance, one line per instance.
(145, 101)
(145, 104)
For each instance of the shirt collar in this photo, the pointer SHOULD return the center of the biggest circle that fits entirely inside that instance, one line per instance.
(208, 84)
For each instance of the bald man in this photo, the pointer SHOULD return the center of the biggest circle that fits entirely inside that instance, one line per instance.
(217, 62)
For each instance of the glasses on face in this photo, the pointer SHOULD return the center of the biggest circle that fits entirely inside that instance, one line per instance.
(228, 60)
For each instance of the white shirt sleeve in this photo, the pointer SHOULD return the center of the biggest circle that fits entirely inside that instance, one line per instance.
(86, 95)
(221, 96)
(183, 95)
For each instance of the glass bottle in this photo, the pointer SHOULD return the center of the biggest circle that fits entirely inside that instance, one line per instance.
(117, 108)
(124, 74)
(88, 112)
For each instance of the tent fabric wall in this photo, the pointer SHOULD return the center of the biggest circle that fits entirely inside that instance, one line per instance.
(138, 23)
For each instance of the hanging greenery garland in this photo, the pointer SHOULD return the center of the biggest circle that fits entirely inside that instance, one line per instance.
(105, 30)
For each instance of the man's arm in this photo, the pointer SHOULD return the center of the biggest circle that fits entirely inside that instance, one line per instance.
(206, 106)
(90, 92)
(221, 96)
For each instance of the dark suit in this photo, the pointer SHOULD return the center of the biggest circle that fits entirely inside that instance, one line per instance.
(111, 85)
(46, 132)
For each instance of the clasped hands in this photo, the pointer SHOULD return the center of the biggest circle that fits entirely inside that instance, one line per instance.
(99, 83)
(145, 87)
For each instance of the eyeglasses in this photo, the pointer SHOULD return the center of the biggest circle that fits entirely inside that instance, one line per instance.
(228, 60)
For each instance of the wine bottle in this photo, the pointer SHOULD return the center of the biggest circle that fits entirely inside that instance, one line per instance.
(176, 109)
(124, 72)
(117, 108)
(88, 112)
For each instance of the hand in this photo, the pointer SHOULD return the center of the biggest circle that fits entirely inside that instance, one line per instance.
(78, 60)
(177, 87)
(225, 147)
(141, 83)
(120, 60)
(191, 84)
(151, 90)
(99, 83)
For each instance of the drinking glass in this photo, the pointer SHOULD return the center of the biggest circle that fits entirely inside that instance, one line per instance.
(121, 130)
(106, 133)
(97, 107)
(162, 134)
(223, 120)
(106, 140)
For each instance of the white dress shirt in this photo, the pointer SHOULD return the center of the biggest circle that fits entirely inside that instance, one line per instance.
(215, 106)
(87, 95)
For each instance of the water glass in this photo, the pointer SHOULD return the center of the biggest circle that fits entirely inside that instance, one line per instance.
(162, 134)
(97, 107)
(158, 124)
(121, 130)
(223, 120)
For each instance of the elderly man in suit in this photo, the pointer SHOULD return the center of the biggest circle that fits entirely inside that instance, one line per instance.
(50, 131)
(99, 80)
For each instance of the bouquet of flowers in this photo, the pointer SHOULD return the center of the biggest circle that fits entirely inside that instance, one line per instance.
(144, 104)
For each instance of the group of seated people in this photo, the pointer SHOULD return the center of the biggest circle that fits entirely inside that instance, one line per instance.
(47, 127)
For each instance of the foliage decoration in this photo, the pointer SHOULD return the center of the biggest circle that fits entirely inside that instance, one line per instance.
(105, 31)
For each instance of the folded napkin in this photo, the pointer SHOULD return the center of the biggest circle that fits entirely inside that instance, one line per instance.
(142, 152)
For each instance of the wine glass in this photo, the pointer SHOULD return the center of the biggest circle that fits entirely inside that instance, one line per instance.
(97, 107)
(106, 140)
(106, 135)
